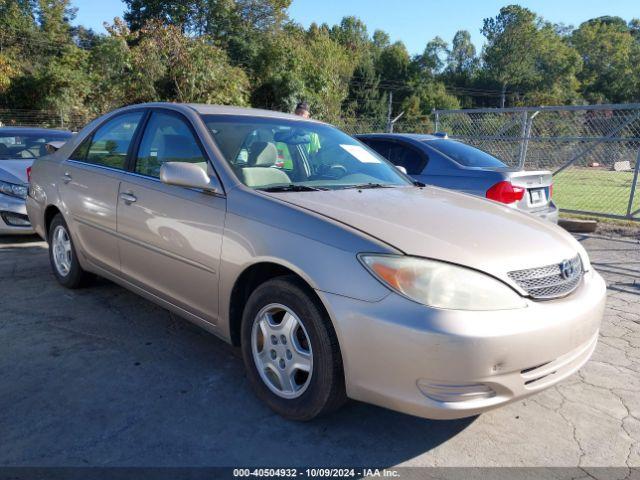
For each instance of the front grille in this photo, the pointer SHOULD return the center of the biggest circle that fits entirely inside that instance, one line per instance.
(551, 281)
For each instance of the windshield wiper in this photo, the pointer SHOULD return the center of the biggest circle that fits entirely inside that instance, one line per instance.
(362, 186)
(291, 188)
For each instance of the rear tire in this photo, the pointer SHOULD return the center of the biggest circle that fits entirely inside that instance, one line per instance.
(277, 357)
(63, 257)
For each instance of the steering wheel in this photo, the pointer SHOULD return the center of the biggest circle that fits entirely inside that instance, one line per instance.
(337, 171)
(325, 160)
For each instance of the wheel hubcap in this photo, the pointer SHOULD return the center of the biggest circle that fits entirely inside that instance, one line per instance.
(61, 244)
(282, 351)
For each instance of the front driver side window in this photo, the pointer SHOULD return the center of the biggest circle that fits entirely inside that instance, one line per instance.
(404, 156)
(379, 146)
(167, 138)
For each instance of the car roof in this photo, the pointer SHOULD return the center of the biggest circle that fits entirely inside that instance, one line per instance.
(420, 137)
(205, 109)
(33, 131)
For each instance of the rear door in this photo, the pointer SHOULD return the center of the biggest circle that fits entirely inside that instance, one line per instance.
(89, 183)
(170, 237)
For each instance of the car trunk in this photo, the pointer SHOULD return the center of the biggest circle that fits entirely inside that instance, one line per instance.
(537, 185)
(15, 171)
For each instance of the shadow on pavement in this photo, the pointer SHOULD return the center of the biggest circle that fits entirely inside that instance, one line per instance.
(18, 239)
(101, 377)
(618, 261)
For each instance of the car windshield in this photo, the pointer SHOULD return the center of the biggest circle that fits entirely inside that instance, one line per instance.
(465, 154)
(289, 155)
(18, 145)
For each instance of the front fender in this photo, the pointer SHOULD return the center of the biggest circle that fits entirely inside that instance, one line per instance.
(323, 252)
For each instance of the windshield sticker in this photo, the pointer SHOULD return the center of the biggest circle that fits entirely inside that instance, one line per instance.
(360, 153)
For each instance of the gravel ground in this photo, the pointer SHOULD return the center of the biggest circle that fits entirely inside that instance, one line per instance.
(102, 377)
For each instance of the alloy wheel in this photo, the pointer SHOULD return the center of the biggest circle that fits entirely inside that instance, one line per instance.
(282, 351)
(62, 254)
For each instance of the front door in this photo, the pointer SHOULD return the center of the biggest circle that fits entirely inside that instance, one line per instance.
(170, 237)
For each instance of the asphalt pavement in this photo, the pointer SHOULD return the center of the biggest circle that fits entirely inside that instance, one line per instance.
(102, 377)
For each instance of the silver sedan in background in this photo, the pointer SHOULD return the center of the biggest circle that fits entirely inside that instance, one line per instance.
(440, 161)
(337, 275)
(19, 147)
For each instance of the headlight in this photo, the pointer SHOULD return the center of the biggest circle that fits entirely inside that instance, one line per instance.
(13, 190)
(584, 256)
(441, 285)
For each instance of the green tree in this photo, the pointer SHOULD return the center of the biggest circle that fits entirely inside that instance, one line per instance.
(611, 56)
(393, 63)
(167, 65)
(111, 70)
(508, 57)
(294, 65)
(49, 70)
(558, 65)
(235, 25)
(365, 97)
(16, 17)
(462, 60)
(431, 62)
(418, 106)
(17, 27)
(54, 17)
(634, 28)
(238, 26)
(176, 12)
(525, 53)
(351, 34)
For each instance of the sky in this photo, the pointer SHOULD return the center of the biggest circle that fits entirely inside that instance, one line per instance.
(415, 22)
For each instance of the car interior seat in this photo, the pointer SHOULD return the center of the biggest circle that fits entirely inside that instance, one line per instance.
(262, 154)
(259, 170)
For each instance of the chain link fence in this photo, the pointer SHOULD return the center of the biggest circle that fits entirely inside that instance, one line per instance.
(43, 118)
(356, 125)
(593, 151)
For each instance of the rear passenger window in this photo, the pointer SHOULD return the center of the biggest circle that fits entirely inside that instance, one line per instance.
(110, 143)
(167, 138)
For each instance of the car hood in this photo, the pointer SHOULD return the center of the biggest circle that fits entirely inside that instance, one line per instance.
(14, 171)
(445, 225)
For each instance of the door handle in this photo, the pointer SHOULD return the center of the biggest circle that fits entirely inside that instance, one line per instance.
(66, 177)
(128, 198)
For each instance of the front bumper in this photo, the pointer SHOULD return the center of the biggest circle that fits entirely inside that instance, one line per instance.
(13, 212)
(446, 364)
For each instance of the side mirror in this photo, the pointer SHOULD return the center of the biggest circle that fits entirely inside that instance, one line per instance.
(188, 175)
(402, 169)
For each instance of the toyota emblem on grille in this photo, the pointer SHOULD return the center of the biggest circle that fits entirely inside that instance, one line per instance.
(567, 269)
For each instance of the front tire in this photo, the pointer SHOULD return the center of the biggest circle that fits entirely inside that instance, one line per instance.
(62, 255)
(291, 351)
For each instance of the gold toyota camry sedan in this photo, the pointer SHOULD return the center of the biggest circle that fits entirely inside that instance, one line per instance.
(336, 274)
